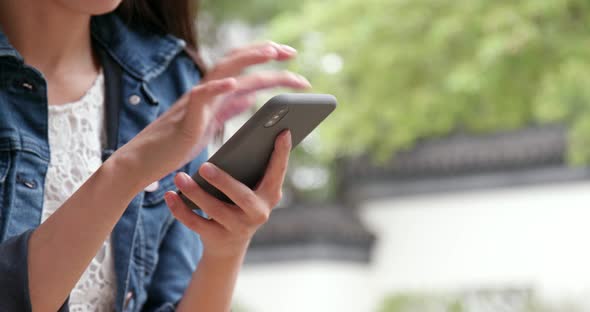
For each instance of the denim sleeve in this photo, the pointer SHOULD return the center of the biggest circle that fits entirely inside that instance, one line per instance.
(14, 275)
(178, 256)
(14, 283)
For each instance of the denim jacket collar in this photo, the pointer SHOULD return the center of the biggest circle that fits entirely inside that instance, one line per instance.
(143, 55)
(6, 49)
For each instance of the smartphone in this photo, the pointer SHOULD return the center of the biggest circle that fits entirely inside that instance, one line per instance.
(246, 154)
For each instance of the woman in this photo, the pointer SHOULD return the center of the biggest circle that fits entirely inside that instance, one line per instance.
(100, 118)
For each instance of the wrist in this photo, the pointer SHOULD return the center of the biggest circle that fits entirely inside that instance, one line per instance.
(125, 172)
(227, 254)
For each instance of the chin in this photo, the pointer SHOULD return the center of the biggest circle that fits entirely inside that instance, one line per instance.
(91, 7)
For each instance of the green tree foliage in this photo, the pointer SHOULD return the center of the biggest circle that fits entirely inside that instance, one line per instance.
(419, 302)
(251, 11)
(426, 68)
(410, 302)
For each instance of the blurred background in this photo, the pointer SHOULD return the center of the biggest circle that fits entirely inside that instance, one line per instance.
(453, 175)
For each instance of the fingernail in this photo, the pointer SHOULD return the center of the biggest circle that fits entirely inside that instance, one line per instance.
(169, 199)
(222, 84)
(208, 170)
(288, 49)
(304, 80)
(229, 82)
(287, 139)
(184, 180)
(270, 51)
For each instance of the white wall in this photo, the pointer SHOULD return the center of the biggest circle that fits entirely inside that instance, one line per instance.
(305, 287)
(537, 236)
(524, 237)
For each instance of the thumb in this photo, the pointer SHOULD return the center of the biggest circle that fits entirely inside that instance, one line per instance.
(202, 98)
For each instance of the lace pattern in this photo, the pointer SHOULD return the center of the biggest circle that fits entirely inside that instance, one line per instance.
(76, 137)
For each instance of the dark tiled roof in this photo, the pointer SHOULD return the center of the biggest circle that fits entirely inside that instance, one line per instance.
(463, 154)
(323, 231)
(458, 163)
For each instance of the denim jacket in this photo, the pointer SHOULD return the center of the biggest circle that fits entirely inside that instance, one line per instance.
(154, 254)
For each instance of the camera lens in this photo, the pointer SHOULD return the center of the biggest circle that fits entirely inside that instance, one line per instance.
(269, 123)
(276, 117)
(272, 121)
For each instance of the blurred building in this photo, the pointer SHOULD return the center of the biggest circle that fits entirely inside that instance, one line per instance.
(464, 212)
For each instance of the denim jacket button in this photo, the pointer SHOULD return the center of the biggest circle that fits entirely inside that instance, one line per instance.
(152, 187)
(19, 83)
(28, 86)
(28, 183)
(134, 99)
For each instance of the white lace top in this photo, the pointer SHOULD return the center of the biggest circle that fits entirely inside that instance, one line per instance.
(76, 138)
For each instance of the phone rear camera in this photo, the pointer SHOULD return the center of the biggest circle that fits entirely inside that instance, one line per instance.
(272, 121)
(276, 117)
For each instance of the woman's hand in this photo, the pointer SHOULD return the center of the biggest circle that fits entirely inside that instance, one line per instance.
(182, 132)
(236, 62)
(231, 227)
(227, 234)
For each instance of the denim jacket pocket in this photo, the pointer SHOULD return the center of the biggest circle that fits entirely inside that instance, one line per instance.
(5, 160)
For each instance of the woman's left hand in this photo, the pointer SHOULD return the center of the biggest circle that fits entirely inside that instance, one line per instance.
(231, 227)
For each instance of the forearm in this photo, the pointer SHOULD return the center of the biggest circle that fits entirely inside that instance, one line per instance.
(63, 246)
(213, 283)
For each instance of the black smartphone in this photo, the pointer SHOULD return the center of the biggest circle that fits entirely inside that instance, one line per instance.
(246, 154)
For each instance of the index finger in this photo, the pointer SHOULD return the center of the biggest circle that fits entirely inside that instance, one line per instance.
(239, 60)
(201, 94)
(284, 51)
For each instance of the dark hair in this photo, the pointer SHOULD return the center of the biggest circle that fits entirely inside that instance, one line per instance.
(175, 17)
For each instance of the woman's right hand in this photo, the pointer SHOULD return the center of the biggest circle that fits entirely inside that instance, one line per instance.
(181, 133)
